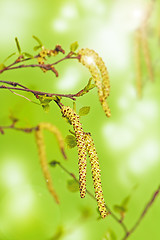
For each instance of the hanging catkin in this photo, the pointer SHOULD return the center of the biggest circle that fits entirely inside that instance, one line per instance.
(90, 59)
(70, 114)
(96, 175)
(44, 163)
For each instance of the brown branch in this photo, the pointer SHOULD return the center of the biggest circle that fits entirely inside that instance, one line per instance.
(25, 89)
(12, 126)
(54, 163)
(122, 224)
(147, 207)
(47, 67)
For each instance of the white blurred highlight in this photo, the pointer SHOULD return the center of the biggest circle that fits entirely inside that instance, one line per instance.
(60, 25)
(145, 156)
(21, 203)
(69, 79)
(12, 17)
(12, 174)
(69, 11)
(89, 60)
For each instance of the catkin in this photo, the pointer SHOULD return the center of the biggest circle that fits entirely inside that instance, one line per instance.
(138, 63)
(147, 55)
(96, 175)
(53, 129)
(90, 59)
(43, 161)
(74, 119)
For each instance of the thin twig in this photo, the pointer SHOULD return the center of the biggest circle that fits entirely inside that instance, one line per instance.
(91, 195)
(147, 207)
(25, 89)
(43, 66)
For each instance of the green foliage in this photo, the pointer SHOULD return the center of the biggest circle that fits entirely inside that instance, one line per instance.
(2, 66)
(11, 55)
(45, 100)
(123, 207)
(54, 163)
(70, 141)
(110, 235)
(72, 185)
(18, 45)
(87, 88)
(59, 233)
(74, 46)
(39, 42)
(84, 111)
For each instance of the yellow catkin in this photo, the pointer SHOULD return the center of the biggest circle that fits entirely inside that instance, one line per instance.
(44, 163)
(90, 59)
(147, 55)
(96, 175)
(71, 115)
(53, 129)
(138, 63)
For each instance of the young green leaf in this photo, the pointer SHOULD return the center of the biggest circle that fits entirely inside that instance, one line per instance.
(74, 46)
(84, 111)
(119, 209)
(54, 163)
(2, 66)
(70, 141)
(125, 202)
(38, 40)
(110, 235)
(28, 55)
(44, 100)
(18, 46)
(9, 56)
(73, 185)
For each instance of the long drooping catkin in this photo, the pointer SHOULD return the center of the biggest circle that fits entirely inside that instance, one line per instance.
(96, 175)
(74, 119)
(147, 55)
(90, 59)
(138, 63)
(53, 129)
(44, 163)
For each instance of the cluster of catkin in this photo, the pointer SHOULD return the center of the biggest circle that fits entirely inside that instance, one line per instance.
(86, 145)
(42, 153)
(141, 46)
(90, 59)
(142, 51)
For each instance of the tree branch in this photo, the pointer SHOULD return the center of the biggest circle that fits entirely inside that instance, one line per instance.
(47, 67)
(147, 207)
(36, 93)
(118, 220)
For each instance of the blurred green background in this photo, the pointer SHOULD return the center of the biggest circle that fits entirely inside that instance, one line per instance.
(127, 143)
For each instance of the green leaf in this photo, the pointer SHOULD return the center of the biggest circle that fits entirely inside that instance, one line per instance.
(119, 209)
(38, 40)
(45, 100)
(73, 185)
(37, 47)
(74, 46)
(71, 141)
(87, 88)
(125, 202)
(28, 55)
(60, 232)
(18, 46)
(84, 111)
(110, 235)
(54, 163)
(9, 56)
(2, 66)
